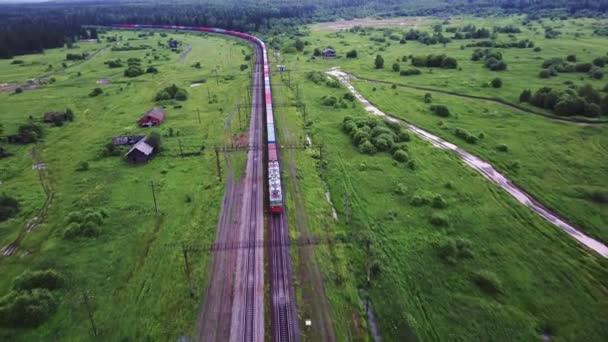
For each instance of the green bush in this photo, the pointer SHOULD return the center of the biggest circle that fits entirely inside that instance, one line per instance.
(545, 73)
(134, 71)
(488, 282)
(26, 309)
(410, 72)
(172, 92)
(151, 70)
(401, 189)
(419, 200)
(9, 207)
(350, 54)
(428, 98)
(452, 250)
(96, 92)
(463, 134)
(439, 220)
(440, 110)
(502, 148)
(329, 101)
(497, 83)
(396, 67)
(525, 95)
(439, 203)
(379, 62)
(367, 147)
(74, 216)
(412, 164)
(47, 279)
(401, 156)
(83, 166)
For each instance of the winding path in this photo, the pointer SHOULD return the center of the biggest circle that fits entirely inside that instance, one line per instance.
(481, 166)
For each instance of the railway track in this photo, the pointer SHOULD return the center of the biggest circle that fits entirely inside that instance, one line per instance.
(248, 305)
(283, 306)
(247, 314)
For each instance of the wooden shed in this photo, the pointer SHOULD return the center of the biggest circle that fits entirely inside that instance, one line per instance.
(140, 153)
(153, 117)
(329, 53)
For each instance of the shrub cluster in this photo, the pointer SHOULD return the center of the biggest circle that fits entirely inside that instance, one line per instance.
(522, 44)
(465, 135)
(435, 61)
(76, 56)
(492, 59)
(554, 66)
(86, 224)
(172, 93)
(410, 72)
(440, 110)
(425, 37)
(319, 78)
(507, 29)
(472, 32)
(488, 282)
(451, 250)
(371, 136)
(9, 207)
(115, 63)
(31, 301)
(127, 47)
(27, 133)
(96, 92)
(585, 101)
(134, 68)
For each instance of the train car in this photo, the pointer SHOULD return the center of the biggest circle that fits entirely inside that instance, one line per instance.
(274, 185)
(270, 133)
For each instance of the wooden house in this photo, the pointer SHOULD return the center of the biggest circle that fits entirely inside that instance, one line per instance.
(140, 153)
(153, 117)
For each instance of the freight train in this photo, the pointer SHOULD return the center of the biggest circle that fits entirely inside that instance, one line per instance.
(275, 190)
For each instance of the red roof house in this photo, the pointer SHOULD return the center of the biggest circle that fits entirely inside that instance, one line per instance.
(153, 117)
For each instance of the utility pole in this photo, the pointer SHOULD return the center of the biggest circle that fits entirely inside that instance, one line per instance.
(368, 243)
(199, 114)
(187, 270)
(321, 153)
(208, 94)
(217, 163)
(181, 152)
(238, 106)
(154, 197)
(87, 305)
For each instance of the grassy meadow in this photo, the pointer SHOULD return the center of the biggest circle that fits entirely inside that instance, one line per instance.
(471, 78)
(492, 269)
(133, 271)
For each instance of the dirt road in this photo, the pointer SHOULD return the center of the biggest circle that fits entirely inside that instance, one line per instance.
(481, 166)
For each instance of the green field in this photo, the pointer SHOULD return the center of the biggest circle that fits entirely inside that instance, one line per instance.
(134, 270)
(546, 282)
(476, 265)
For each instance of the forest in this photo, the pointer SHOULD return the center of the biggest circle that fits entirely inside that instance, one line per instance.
(32, 28)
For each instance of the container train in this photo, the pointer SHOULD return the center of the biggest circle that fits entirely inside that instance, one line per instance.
(275, 191)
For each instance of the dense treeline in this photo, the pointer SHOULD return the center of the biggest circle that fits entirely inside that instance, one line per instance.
(35, 27)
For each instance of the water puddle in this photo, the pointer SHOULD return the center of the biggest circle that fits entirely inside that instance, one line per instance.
(484, 168)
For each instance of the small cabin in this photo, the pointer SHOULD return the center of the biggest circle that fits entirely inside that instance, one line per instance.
(140, 153)
(153, 117)
(328, 53)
